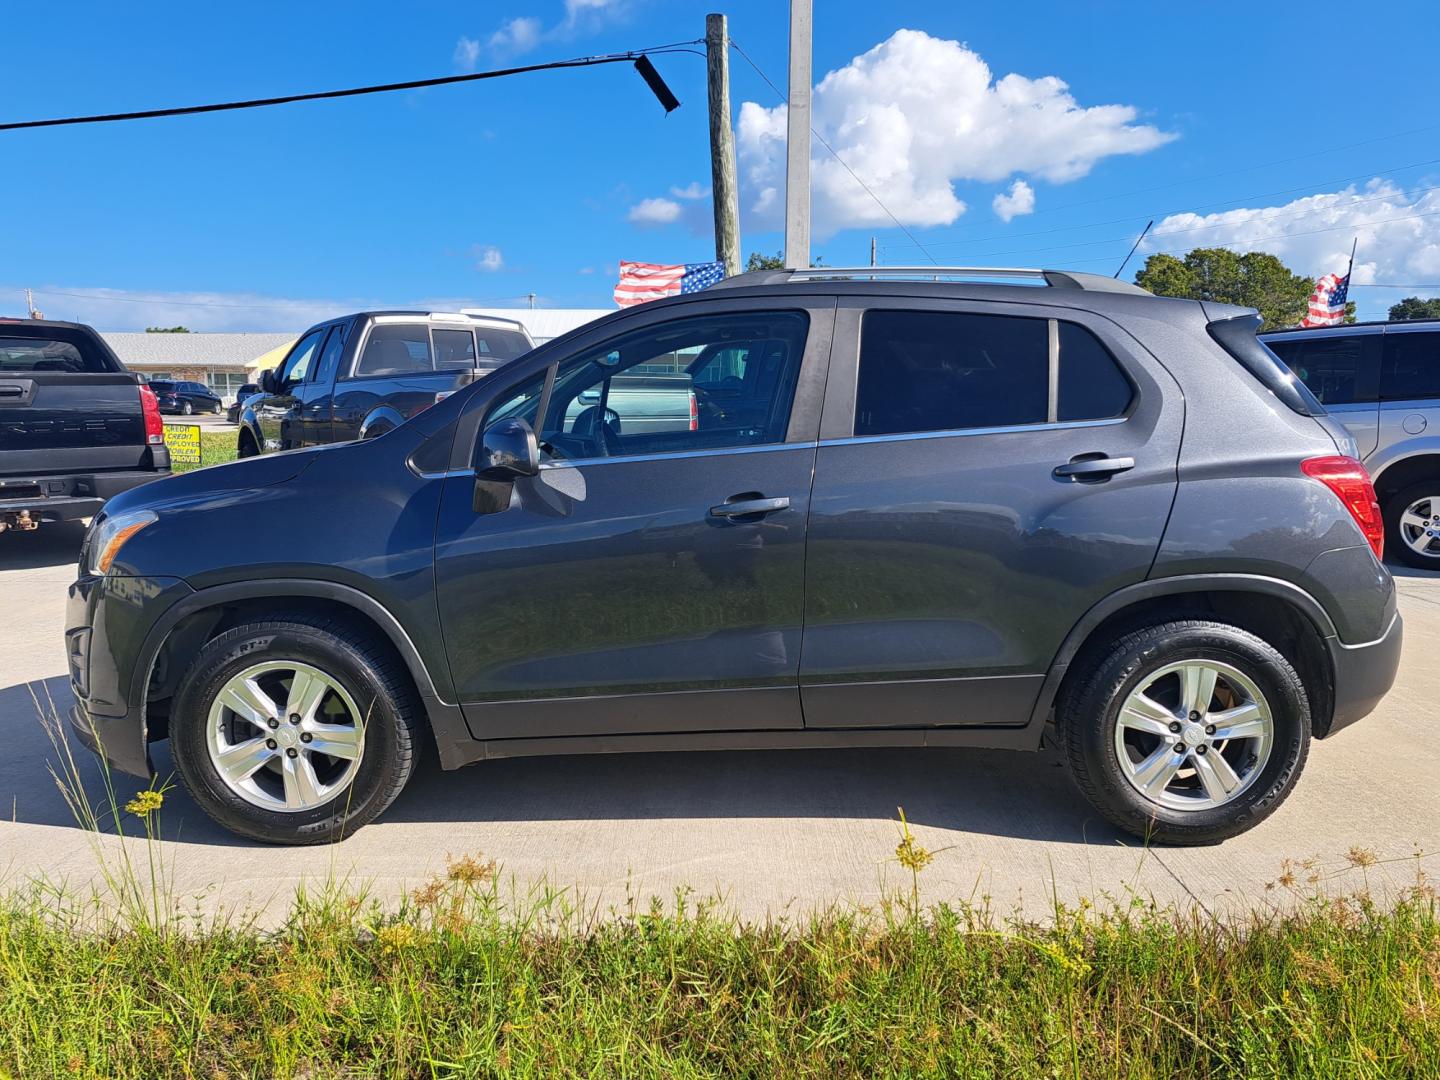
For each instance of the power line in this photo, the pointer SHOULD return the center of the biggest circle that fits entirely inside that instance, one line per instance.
(355, 91)
(836, 155)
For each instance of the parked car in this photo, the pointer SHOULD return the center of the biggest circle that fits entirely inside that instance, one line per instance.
(361, 375)
(925, 513)
(1382, 381)
(246, 391)
(75, 426)
(185, 398)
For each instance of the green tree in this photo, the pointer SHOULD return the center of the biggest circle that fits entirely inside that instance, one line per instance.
(1256, 279)
(167, 329)
(758, 261)
(1412, 307)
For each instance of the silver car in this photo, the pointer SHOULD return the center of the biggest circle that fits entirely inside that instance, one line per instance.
(1382, 381)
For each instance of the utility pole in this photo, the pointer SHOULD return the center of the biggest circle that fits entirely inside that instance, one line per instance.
(724, 187)
(872, 252)
(30, 305)
(530, 298)
(797, 139)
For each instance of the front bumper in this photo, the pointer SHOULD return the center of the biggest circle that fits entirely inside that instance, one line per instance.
(108, 623)
(71, 496)
(1363, 675)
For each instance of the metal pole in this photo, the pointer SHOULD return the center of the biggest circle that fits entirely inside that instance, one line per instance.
(872, 252)
(724, 185)
(797, 139)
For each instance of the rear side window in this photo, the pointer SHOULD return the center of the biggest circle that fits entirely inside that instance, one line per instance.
(1338, 369)
(60, 353)
(454, 349)
(396, 349)
(1411, 368)
(942, 371)
(952, 371)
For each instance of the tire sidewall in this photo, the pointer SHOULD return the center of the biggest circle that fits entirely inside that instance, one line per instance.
(1277, 680)
(1395, 545)
(230, 654)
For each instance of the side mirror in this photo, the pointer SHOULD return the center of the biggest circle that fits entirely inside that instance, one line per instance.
(508, 449)
(267, 381)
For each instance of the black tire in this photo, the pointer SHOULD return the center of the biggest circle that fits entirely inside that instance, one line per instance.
(1395, 545)
(377, 681)
(246, 448)
(1087, 717)
(186, 409)
(215, 409)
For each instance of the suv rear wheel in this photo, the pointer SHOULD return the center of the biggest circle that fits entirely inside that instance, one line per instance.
(1186, 732)
(294, 730)
(1412, 522)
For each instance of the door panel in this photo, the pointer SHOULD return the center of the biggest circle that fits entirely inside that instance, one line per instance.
(631, 587)
(279, 414)
(944, 568)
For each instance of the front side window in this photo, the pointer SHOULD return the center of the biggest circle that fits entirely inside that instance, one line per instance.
(297, 364)
(1411, 368)
(396, 349)
(1336, 369)
(639, 394)
(329, 357)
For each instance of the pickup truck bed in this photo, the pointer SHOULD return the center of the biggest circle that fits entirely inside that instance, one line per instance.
(75, 426)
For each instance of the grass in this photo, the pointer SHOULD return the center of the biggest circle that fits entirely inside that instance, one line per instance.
(466, 976)
(215, 447)
(460, 982)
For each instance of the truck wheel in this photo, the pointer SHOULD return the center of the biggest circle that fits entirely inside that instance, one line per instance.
(1186, 732)
(1412, 525)
(295, 730)
(247, 446)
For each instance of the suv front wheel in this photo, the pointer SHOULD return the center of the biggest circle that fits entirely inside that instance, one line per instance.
(1186, 732)
(294, 730)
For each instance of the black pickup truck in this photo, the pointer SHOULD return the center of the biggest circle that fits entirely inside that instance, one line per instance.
(75, 426)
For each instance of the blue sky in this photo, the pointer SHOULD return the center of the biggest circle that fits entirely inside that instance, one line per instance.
(1298, 137)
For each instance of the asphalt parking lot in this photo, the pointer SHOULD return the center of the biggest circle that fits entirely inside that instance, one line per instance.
(770, 832)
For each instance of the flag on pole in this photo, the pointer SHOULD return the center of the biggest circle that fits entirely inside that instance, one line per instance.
(1327, 302)
(650, 281)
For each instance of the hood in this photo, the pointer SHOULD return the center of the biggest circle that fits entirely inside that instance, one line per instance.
(229, 480)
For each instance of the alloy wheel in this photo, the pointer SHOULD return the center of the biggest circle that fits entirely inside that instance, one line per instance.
(1194, 735)
(1420, 526)
(285, 736)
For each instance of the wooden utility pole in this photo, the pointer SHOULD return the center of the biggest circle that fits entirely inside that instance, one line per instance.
(724, 187)
(797, 139)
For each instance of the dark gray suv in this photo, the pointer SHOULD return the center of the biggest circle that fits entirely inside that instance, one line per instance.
(960, 512)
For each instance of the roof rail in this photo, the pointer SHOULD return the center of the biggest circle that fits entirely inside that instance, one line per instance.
(1055, 279)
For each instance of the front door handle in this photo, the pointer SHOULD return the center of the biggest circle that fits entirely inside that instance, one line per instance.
(1089, 467)
(748, 507)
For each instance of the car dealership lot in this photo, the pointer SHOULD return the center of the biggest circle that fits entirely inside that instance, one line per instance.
(771, 831)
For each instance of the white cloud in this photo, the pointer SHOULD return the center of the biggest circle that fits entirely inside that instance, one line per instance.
(578, 11)
(1019, 201)
(467, 54)
(655, 212)
(515, 36)
(917, 113)
(692, 190)
(487, 257)
(1399, 234)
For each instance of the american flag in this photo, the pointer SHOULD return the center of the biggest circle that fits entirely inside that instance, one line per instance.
(650, 281)
(1327, 302)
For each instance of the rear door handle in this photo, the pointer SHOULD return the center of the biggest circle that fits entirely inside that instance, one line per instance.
(1088, 467)
(742, 507)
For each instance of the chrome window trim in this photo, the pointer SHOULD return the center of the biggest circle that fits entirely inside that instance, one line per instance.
(676, 455)
(961, 432)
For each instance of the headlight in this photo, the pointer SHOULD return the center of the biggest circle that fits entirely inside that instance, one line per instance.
(109, 536)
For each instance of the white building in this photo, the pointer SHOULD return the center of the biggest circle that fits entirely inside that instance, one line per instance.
(544, 324)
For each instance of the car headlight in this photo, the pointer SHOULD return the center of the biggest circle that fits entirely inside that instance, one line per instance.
(109, 536)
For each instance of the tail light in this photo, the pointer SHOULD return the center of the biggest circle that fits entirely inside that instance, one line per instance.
(1349, 480)
(694, 412)
(154, 426)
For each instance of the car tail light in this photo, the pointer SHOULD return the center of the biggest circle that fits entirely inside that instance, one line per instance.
(694, 412)
(154, 426)
(1349, 480)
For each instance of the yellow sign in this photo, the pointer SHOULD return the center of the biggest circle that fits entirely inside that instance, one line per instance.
(183, 441)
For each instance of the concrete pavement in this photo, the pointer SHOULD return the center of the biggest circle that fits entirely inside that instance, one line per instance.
(771, 832)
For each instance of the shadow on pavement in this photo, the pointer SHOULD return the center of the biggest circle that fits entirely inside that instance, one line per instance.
(1002, 793)
(53, 544)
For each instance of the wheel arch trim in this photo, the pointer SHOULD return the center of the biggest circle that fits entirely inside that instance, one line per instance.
(1181, 585)
(385, 414)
